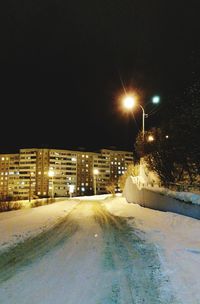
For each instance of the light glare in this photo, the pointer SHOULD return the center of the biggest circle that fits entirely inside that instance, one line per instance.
(51, 173)
(150, 138)
(96, 171)
(129, 102)
(156, 99)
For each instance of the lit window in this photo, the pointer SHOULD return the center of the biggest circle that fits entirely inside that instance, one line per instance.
(82, 189)
(86, 156)
(39, 193)
(2, 158)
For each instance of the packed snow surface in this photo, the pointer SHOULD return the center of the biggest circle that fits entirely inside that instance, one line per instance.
(77, 238)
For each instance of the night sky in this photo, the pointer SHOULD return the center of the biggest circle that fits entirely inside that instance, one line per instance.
(64, 64)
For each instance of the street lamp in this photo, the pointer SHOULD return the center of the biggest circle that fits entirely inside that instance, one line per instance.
(51, 174)
(30, 185)
(156, 99)
(95, 173)
(150, 138)
(129, 103)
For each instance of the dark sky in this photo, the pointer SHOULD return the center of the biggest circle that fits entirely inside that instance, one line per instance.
(63, 65)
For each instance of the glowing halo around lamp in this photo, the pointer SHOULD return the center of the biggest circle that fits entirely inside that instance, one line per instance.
(129, 102)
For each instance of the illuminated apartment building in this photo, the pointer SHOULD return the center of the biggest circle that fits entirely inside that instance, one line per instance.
(84, 173)
(26, 175)
(118, 164)
(9, 174)
(102, 164)
(63, 164)
(34, 168)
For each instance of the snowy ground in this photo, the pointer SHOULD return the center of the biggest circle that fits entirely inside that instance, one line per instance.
(45, 281)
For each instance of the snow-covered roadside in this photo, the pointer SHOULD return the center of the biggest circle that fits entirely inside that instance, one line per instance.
(184, 196)
(177, 241)
(16, 226)
(175, 236)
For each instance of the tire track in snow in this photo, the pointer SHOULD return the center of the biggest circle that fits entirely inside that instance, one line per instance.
(25, 253)
(134, 263)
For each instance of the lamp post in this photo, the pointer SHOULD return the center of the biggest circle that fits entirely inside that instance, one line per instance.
(95, 173)
(130, 103)
(51, 174)
(144, 115)
(30, 185)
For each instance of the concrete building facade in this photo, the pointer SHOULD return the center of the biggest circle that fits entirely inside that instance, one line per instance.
(27, 175)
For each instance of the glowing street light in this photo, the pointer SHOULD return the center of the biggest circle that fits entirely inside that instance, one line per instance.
(95, 173)
(150, 138)
(156, 99)
(51, 174)
(129, 103)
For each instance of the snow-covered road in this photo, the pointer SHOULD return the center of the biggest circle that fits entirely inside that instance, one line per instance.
(89, 257)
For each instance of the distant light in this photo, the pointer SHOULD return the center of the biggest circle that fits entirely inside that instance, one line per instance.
(166, 136)
(150, 138)
(51, 173)
(129, 102)
(96, 171)
(156, 99)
